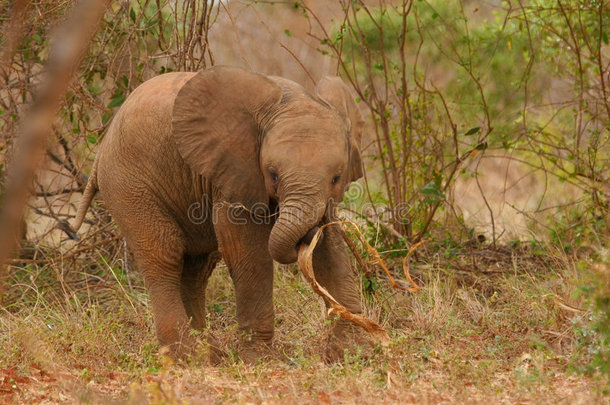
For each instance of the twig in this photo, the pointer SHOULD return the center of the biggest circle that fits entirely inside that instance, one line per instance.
(365, 269)
(296, 58)
(65, 256)
(381, 262)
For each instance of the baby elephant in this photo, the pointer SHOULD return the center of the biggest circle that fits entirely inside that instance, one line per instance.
(234, 164)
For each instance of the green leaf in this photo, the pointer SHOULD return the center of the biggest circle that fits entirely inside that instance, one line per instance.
(117, 100)
(287, 32)
(132, 14)
(473, 131)
(481, 146)
(338, 37)
(432, 191)
(437, 178)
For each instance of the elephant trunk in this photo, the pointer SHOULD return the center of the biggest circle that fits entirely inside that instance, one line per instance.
(296, 223)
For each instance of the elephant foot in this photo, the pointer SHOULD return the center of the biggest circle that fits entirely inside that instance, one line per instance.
(216, 355)
(255, 352)
(178, 343)
(347, 336)
(189, 351)
(179, 353)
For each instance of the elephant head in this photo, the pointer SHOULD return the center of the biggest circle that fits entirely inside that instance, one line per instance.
(265, 140)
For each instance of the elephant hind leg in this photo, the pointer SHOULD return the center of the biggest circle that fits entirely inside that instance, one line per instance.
(158, 247)
(162, 278)
(195, 275)
(196, 271)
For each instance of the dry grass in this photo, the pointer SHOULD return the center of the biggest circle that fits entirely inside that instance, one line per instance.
(504, 333)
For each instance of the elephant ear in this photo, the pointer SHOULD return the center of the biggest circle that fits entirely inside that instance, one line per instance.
(334, 91)
(216, 126)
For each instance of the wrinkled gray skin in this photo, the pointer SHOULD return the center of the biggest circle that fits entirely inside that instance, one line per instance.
(184, 146)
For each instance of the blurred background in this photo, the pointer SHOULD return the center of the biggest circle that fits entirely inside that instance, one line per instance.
(485, 119)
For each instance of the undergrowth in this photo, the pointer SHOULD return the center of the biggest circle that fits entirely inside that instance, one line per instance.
(510, 325)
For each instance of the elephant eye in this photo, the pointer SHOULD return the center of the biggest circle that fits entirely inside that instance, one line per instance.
(335, 179)
(273, 176)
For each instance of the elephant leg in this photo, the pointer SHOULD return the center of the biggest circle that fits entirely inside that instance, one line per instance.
(195, 274)
(333, 270)
(244, 249)
(158, 247)
(162, 276)
(158, 244)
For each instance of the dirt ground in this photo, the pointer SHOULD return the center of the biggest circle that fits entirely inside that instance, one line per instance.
(274, 384)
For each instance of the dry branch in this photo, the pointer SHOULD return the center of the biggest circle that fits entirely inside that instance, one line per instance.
(306, 265)
(65, 256)
(379, 260)
(305, 261)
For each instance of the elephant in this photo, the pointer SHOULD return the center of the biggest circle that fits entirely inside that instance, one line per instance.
(233, 164)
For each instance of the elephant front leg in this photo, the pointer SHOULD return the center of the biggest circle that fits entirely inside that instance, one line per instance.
(244, 248)
(333, 270)
(255, 315)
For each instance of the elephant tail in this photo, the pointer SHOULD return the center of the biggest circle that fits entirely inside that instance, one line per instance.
(88, 195)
